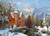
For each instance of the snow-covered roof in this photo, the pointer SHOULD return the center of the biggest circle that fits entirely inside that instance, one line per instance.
(12, 14)
(15, 11)
(21, 14)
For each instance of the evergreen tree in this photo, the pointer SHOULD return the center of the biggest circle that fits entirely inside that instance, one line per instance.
(37, 22)
(29, 22)
(32, 20)
(41, 22)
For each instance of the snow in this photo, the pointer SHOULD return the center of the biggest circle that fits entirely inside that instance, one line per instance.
(20, 14)
(20, 34)
(15, 11)
(6, 32)
(45, 28)
(49, 26)
(10, 34)
(44, 34)
(12, 14)
(6, 18)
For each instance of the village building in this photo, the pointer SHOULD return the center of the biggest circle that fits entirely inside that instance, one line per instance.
(21, 21)
(15, 20)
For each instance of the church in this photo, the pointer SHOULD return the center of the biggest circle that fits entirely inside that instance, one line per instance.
(15, 20)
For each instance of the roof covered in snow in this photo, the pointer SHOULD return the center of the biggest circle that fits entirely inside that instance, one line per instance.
(15, 11)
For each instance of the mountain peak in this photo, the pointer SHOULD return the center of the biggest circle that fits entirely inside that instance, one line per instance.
(40, 13)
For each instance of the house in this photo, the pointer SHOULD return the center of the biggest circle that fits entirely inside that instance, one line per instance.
(15, 20)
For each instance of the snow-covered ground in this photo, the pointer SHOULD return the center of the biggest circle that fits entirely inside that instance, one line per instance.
(7, 33)
(44, 34)
(43, 29)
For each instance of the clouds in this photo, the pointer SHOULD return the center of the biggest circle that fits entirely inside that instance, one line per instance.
(29, 10)
(28, 6)
(18, 3)
(25, 7)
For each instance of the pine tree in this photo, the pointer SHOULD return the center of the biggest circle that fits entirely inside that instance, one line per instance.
(32, 20)
(29, 22)
(37, 22)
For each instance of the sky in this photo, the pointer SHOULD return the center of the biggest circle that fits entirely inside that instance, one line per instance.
(32, 3)
(28, 6)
